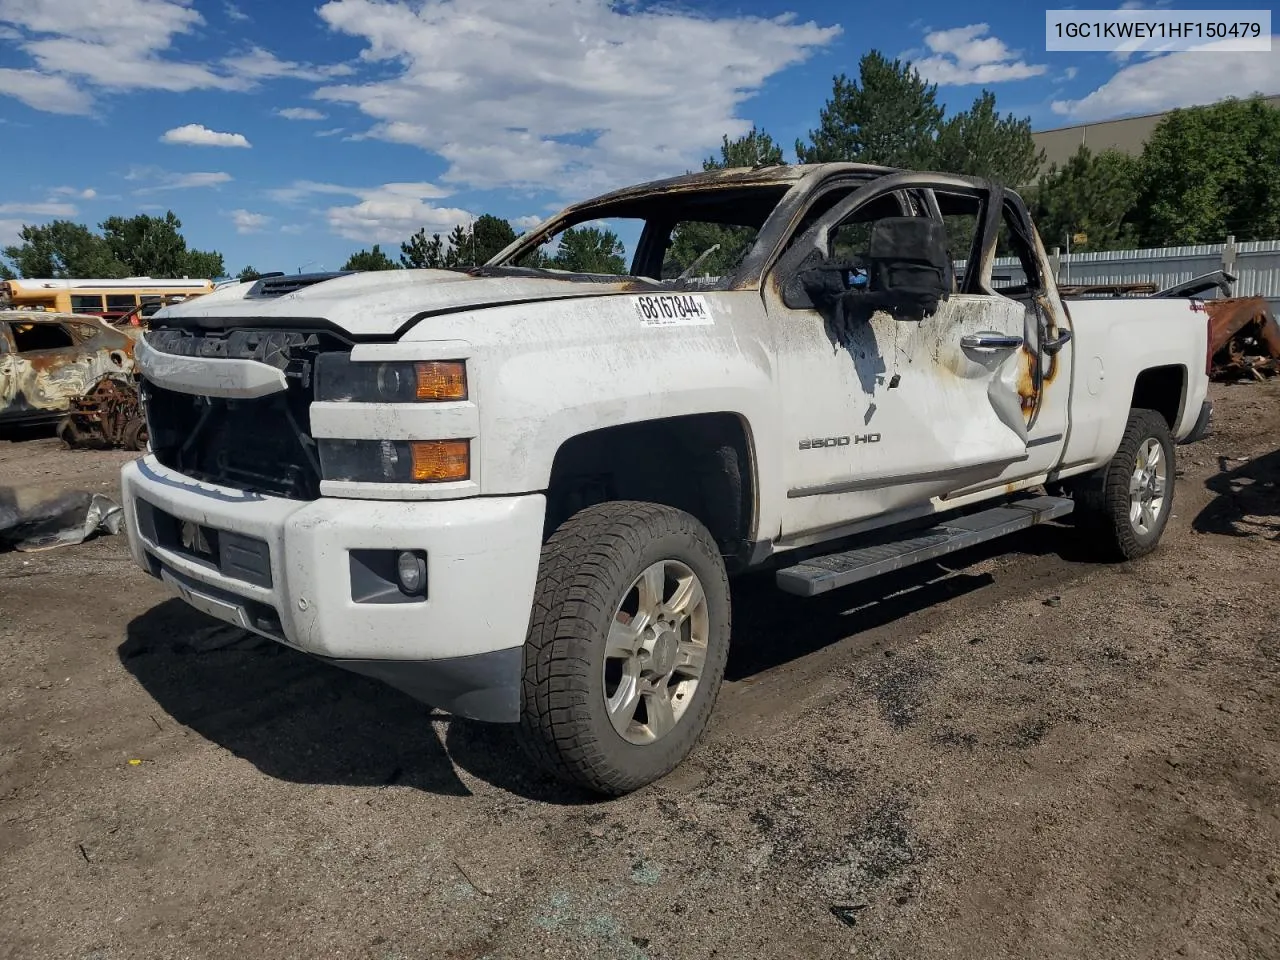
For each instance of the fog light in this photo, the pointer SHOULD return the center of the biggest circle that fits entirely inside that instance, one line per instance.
(411, 568)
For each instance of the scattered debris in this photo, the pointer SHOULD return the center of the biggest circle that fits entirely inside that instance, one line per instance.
(1244, 339)
(1053, 602)
(488, 892)
(84, 853)
(31, 520)
(847, 913)
(108, 415)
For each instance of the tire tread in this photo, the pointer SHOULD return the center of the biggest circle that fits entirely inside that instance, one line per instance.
(581, 565)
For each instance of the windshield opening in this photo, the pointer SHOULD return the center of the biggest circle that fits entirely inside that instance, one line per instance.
(695, 237)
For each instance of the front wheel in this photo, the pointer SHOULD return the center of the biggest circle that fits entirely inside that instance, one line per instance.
(1127, 503)
(627, 645)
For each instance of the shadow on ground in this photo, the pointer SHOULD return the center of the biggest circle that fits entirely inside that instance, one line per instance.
(771, 628)
(1248, 499)
(14, 433)
(303, 721)
(297, 719)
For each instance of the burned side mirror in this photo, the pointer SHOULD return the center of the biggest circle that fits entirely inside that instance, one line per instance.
(820, 282)
(910, 270)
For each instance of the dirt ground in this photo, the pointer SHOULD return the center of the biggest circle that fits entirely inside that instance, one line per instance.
(1022, 754)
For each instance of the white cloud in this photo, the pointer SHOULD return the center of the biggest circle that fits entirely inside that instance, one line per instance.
(166, 180)
(383, 214)
(195, 135)
(329, 133)
(572, 95)
(301, 189)
(88, 193)
(81, 46)
(1178, 79)
(247, 222)
(1071, 72)
(43, 92)
(259, 64)
(526, 223)
(966, 55)
(11, 232)
(234, 13)
(114, 44)
(50, 209)
(300, 113)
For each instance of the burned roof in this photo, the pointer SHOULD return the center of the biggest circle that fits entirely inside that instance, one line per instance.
(44, 316)
(731, 177)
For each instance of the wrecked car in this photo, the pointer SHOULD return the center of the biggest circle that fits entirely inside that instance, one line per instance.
(49, 360)
(521, 494)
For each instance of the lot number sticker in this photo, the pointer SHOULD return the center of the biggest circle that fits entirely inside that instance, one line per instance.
(673, 310)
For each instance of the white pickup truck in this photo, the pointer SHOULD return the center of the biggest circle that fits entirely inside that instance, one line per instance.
(521, 494)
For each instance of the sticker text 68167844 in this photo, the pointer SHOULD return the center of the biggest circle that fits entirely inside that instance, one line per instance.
(673, 310)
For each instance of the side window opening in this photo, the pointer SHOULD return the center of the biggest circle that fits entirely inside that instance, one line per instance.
(853, 235)
(1013, 241)
(962, 216)
(32, 337)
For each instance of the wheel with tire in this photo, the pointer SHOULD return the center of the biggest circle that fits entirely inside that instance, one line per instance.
(135, 434)
(627, 645)
(68, 433)
(1127, 503)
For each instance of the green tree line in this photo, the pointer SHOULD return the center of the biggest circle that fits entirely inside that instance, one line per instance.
(1205, 172)
(581, 250)
(140, 246)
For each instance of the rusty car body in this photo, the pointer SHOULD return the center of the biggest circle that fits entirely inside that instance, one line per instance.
(1244, 338)
(49, 360)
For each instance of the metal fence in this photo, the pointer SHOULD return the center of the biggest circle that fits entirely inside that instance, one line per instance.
(1256, 266)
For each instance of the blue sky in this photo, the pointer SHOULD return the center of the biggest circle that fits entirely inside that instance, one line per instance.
(288, 133)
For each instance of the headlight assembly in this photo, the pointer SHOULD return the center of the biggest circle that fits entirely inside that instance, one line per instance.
(398, 381)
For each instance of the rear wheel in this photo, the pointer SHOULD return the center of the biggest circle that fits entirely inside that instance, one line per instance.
(1127, 503)
(627, 645)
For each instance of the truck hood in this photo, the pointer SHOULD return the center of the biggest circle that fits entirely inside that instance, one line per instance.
(382, 304)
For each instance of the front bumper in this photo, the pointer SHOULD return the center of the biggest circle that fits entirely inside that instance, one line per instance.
(459, 649)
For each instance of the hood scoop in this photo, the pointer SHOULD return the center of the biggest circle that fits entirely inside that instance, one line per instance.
(278, 285)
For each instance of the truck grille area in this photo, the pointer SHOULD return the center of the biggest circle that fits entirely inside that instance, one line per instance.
(262, 445)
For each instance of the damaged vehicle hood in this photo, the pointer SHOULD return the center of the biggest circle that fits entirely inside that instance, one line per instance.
(384, 303)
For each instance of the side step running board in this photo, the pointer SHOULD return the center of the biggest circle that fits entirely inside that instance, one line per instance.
(820, 574)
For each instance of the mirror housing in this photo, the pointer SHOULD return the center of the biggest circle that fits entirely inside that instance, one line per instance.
(908, 262)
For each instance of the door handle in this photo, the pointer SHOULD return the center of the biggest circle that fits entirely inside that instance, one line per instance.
(991, 341)
(1053, 346)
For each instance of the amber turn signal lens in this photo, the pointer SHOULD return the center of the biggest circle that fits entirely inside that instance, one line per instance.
(442, 380)
(439, 461)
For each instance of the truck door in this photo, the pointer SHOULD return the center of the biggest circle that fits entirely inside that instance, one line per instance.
(1047, 352)
(884, 412)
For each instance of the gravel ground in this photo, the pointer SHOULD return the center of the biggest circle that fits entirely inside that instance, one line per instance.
(1021, 754)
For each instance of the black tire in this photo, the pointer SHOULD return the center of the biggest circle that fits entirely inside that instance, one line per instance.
(587, 569)
(135, 435)
(68, 433)
(1103, 500)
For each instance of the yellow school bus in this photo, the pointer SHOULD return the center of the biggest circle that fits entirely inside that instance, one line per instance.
(109, 299)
